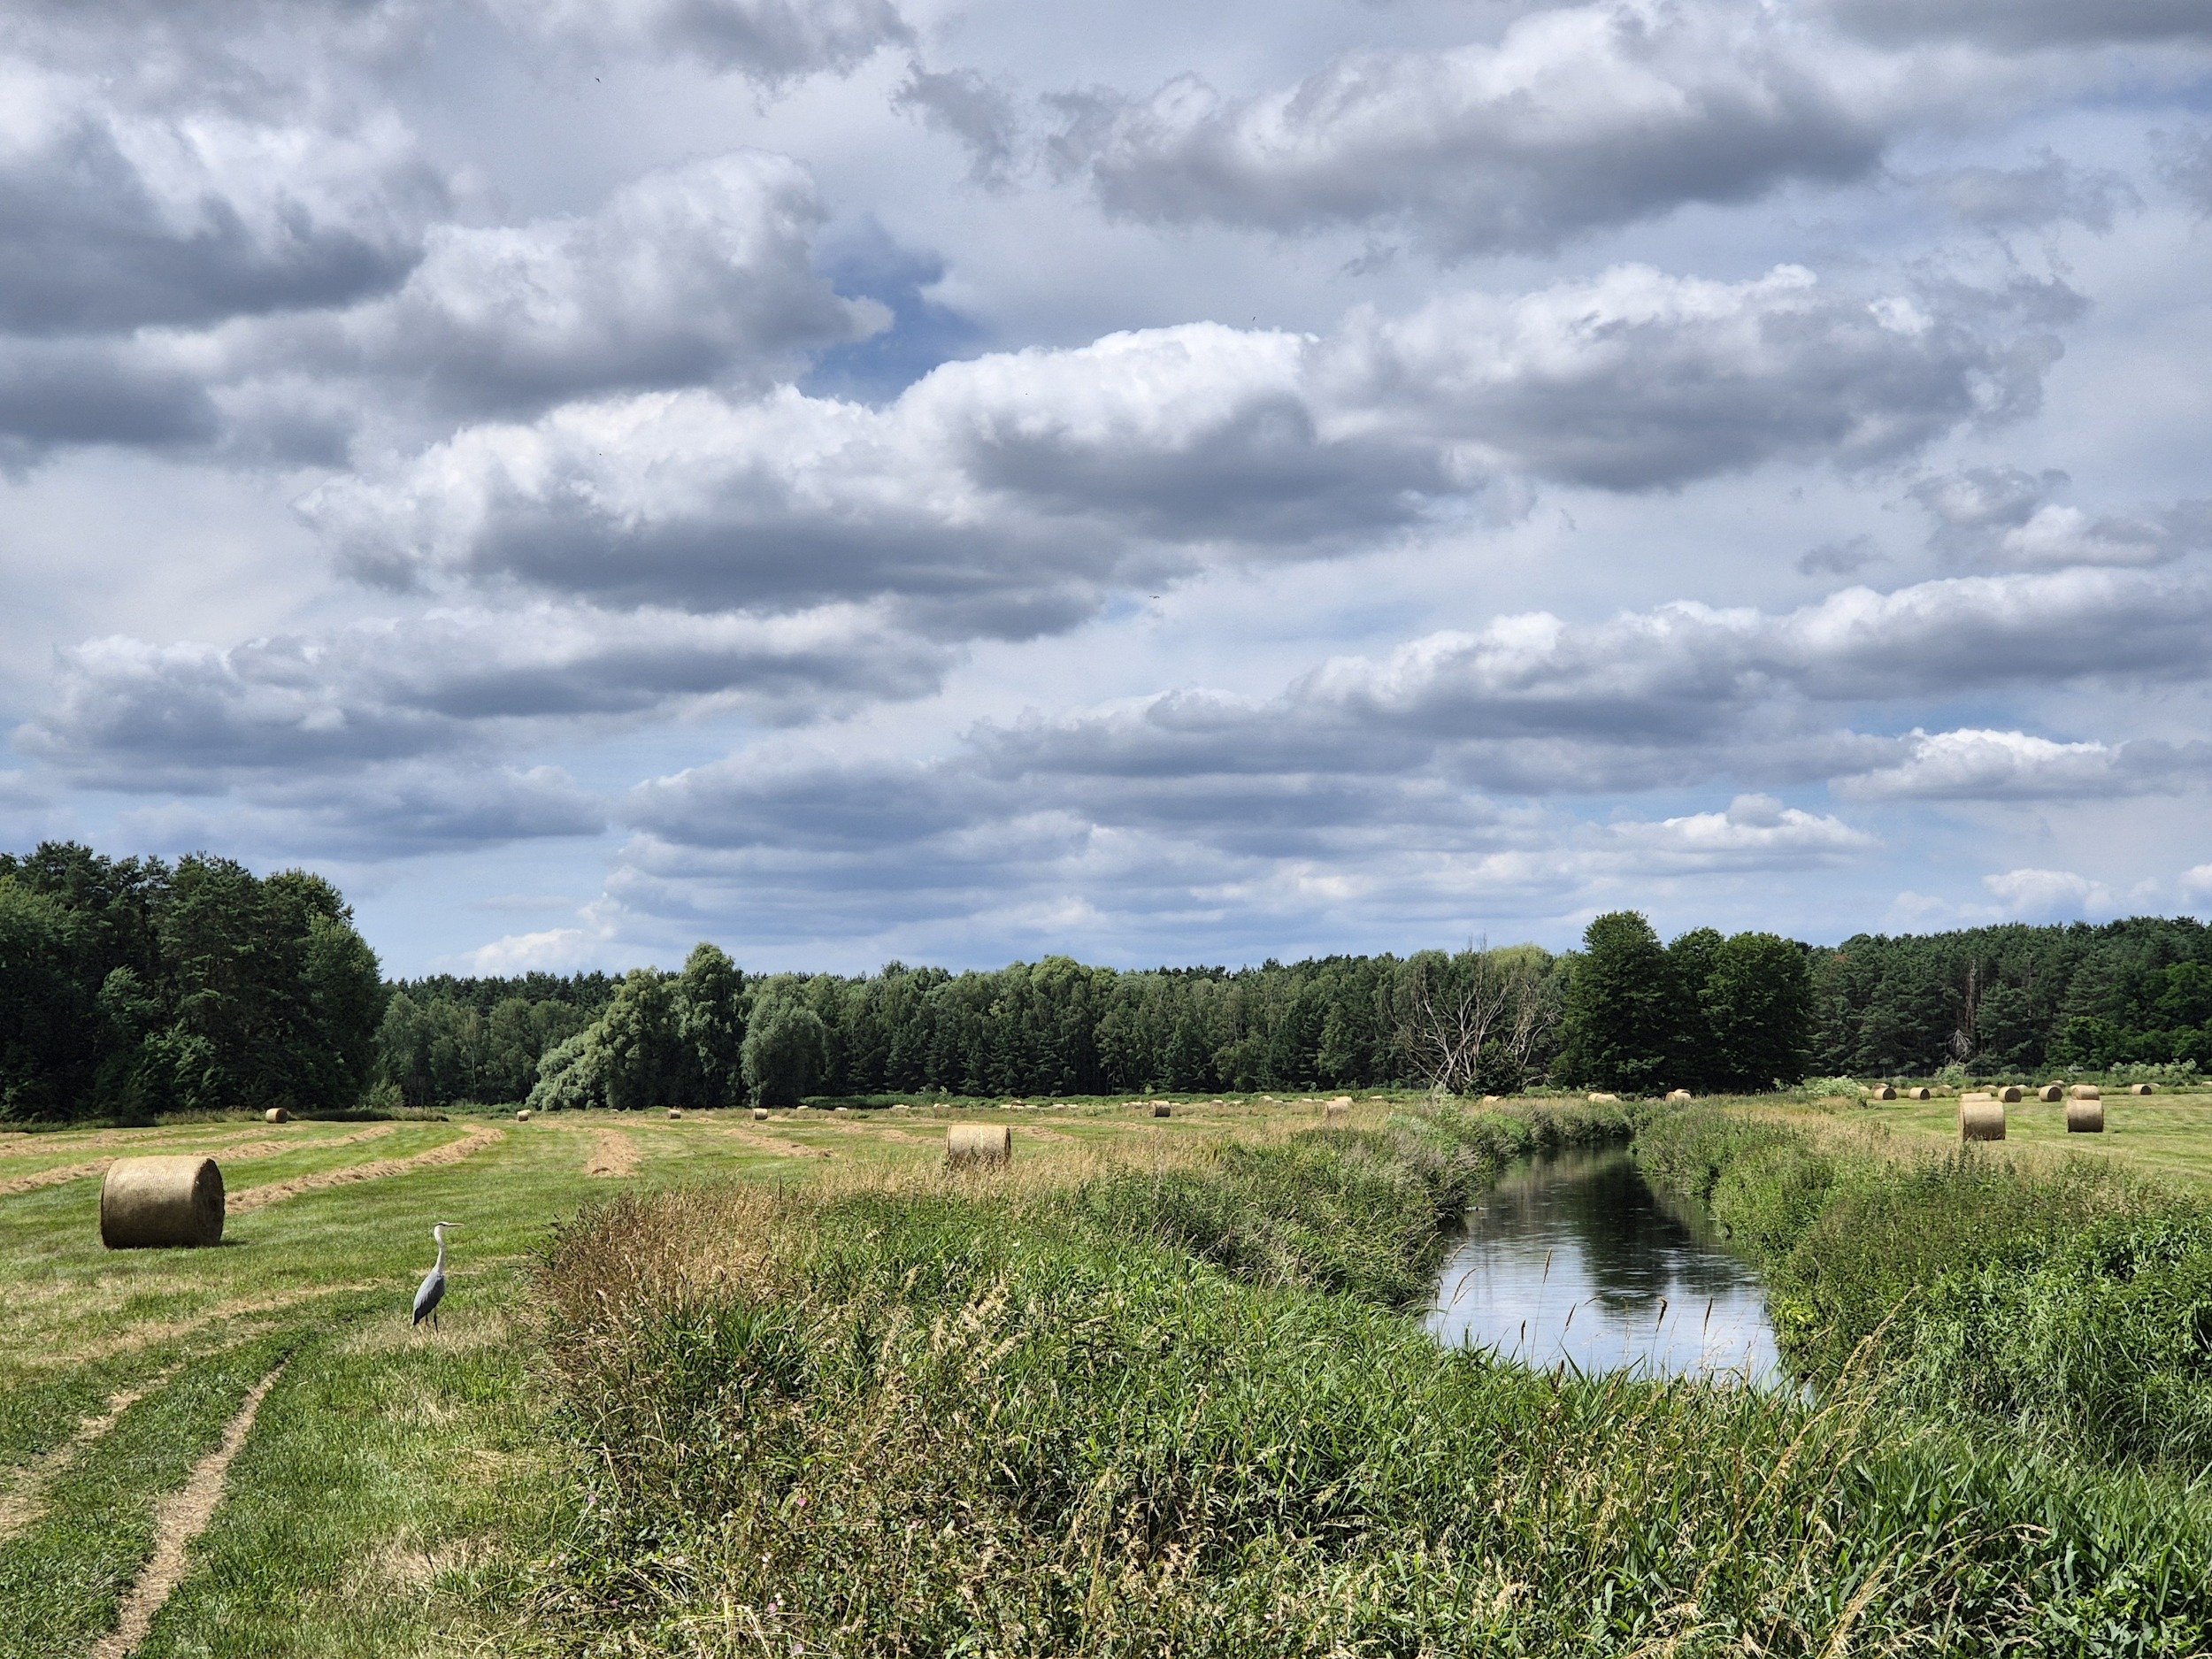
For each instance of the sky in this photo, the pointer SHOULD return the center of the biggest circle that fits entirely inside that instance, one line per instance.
(871, 479)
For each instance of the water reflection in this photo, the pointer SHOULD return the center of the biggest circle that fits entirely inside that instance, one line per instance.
(1576, 1258)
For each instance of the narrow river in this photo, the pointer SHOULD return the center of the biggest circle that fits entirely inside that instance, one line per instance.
(1575, 1258)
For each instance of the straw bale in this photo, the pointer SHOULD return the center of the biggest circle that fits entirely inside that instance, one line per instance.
(1981, 1119)
(2141, 1088)
(675, 1111)
(760, 1114)
(1919, 1094)
(1679, 1094)
(1336, 1112)
(2086, 1091)
(160, 1201)
(1161, 1108)
(1881, 1091)
(1605, 1099)
(2085, 1117)
(2050, 1092)
(2009, 1095)
(978, 1143)
(523, 1117)
(276, 1115)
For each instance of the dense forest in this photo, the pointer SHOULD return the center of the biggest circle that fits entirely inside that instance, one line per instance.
(134, 986)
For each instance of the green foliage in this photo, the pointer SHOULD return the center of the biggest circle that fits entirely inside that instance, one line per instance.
(1619, 1026)
(711, 1021)
(785, 1044)
(130, 987)
(1757, 996)
(2017, 999)
(2073, 1306)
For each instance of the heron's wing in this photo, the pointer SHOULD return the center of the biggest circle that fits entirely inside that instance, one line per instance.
(431, 1293)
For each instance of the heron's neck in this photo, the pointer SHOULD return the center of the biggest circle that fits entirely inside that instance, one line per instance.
(440, 1266)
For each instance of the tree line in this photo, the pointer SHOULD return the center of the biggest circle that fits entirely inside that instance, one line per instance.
(130, 987)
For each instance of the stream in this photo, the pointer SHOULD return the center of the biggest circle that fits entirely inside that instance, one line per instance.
(1575, 1258)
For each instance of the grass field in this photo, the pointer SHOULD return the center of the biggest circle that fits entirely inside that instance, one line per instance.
(401, 1492)
(396, 1484)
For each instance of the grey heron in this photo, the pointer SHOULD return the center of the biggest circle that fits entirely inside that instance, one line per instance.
(433, 1291)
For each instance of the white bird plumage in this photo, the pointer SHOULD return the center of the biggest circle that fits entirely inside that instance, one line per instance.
(433, 1291)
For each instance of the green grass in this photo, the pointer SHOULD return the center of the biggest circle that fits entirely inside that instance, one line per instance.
(970, 1417)
(1152, 1390)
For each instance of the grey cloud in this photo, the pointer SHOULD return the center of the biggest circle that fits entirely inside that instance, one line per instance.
(56, 393)
(693, 274)
(1008, 494)
(1990, 765)
(768, 42)
(1838, 559)
(2185, 162)
(2025, 23)
(119, 218)
(2003, 516)
(1578, 118)
(2053, 190)
(395, 811)
(979, 113)
(196, 718)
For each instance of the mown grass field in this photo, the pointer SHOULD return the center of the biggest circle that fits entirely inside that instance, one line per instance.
(397, 1483)
(407, 1492)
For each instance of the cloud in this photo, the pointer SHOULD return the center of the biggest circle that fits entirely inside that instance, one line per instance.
(1756, 832)
(1007, 494)
(1986, 766)
(121, 216)
(979, 113)
(1578, 118)
(2050, 191)
(2000, 515)
(1838, 559)
(693, 274)
(2184, 163)
(135, 717)
(2196, 882)
(767, 42)
(377, 812)
(2049, 895)
(2025, 23)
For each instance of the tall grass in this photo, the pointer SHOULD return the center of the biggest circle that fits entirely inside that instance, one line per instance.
(2069, 1300)
(1174, 1411)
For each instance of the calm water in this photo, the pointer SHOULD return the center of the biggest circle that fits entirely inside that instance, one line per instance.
(1576, 1258)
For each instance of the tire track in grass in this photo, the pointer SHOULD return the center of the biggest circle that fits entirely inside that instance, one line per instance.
(475, 1140)
(180, 1520)
(25, 1497)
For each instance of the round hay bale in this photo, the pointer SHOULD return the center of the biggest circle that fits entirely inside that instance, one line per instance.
(1881, 1091)
(1605, 1099)
(760, 1114)
(1337, 1112)
(2009, 1095)
(2086, 1091)
(156, 1204)
(977, 1143)
(276, 1115)
(1919, 1094)
(1161, 1108)
(2085, 1117)
(2050, 1092)
(1981, 1119)
(523, 1117)
(675, 1111)
(1679, 1094)
(2141, 1088)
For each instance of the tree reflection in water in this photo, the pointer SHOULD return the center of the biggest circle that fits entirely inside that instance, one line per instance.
(1575, 1258)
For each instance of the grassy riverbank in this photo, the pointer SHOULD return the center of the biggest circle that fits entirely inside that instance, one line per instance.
(1153, 1388)
(1102, 1412)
